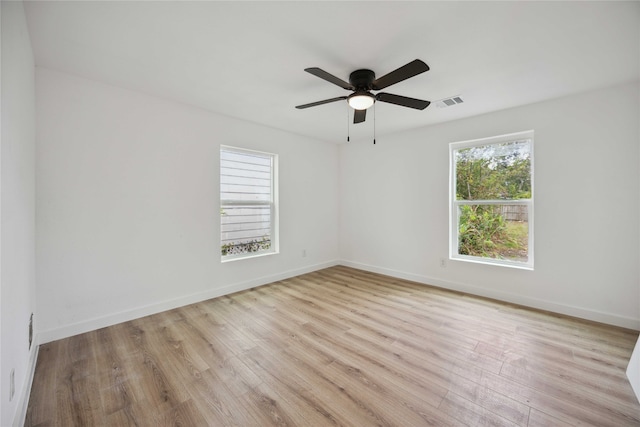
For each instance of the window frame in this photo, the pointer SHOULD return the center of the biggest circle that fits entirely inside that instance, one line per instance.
(272, 204)
(454, 204)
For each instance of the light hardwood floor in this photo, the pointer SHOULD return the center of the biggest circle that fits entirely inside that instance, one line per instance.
(339, 347)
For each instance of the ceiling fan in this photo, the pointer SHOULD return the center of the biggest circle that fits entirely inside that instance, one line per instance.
(362, 82)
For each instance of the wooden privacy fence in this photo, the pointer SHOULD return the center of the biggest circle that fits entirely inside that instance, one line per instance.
(515, 213)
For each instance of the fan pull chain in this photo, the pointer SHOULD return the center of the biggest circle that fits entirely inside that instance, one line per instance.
(374, 124)
(347, 122)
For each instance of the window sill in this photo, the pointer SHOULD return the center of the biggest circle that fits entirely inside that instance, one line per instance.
(231, 258)
(493, 262)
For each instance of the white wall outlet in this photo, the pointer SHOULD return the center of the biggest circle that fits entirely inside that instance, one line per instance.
(304, 253)
(443, 263)
(12, 384)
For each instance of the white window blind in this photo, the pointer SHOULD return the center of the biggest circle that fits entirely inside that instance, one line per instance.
(247, 203)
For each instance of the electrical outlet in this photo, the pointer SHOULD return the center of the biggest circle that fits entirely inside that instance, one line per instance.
(304, 253)
(443, 263)
(12, 384)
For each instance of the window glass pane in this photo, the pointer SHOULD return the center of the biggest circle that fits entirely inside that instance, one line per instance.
(245, 177)
(494, 171)
(245, 229)
(498, 231)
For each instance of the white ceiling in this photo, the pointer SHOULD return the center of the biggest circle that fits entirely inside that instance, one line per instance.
(246, 59)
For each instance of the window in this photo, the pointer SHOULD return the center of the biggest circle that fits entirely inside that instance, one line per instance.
(492, 200)
(248, 203)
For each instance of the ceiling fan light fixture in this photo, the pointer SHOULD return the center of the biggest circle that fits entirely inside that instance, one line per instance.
(360, 100)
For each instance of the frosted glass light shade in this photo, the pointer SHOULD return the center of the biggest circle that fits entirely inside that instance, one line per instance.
(360, 102)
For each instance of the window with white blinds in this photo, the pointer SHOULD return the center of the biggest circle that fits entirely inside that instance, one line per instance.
(247, 203)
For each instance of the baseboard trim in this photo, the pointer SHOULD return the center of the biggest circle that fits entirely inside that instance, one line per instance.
(593, 315)
(23, 403)
(124, 316)
(104, 321)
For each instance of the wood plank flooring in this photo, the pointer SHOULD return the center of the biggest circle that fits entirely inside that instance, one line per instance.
(339, 347)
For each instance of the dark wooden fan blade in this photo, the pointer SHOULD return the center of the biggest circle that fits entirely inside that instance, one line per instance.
(359, 116)
(404, 101)
(411, 69)
(329, 77)
(326, 101)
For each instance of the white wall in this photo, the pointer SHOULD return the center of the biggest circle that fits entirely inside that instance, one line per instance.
(17, 209)
(394, 206)
(128, 204)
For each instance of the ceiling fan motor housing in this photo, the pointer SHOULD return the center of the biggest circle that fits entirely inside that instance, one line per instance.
(362, 79)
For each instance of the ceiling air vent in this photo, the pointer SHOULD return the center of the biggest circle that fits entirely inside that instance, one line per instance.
(449, 102)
